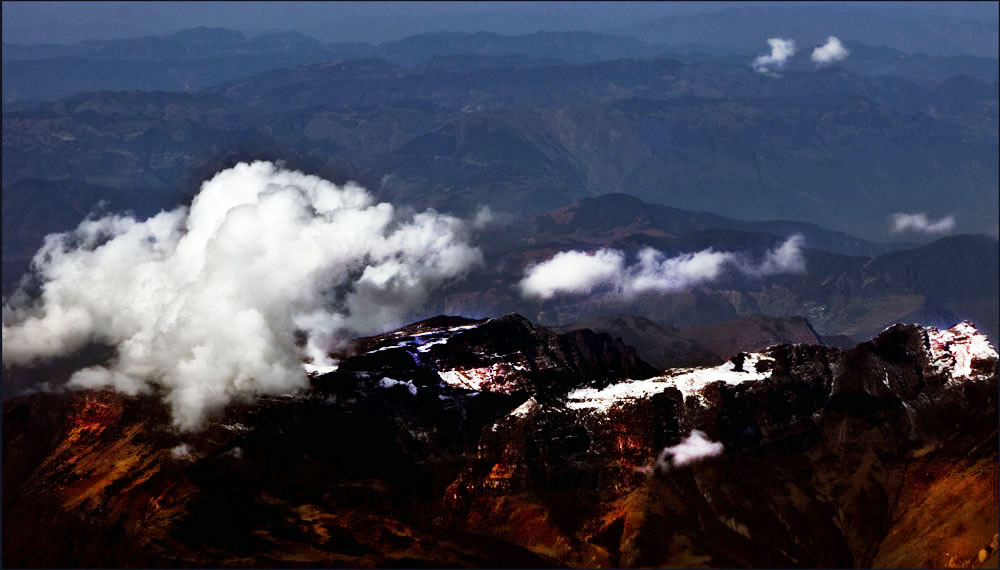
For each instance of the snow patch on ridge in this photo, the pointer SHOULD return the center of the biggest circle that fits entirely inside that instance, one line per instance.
(690, 381)
(953, 351)
(498, 377)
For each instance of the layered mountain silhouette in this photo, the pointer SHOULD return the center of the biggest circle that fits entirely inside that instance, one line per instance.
(484, 117)
(199, 57)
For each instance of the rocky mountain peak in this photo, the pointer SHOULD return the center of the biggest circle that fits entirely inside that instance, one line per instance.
(962, 352)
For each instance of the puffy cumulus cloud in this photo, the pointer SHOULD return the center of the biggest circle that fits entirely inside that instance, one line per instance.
(205, 302)
(577, 272)
(830, 52)
(574, 272)
(920, 223)
(695, 447)
(781, 51)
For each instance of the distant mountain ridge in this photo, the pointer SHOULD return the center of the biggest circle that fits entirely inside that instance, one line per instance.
(745, 27)
(843, 291)
(454, 140)
(702, 345)
(603, 216)
(200, 57)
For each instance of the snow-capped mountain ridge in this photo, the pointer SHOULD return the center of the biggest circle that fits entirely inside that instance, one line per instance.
(959, 353)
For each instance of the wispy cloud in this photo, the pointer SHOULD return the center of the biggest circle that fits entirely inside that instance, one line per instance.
(781, 51)
(920, 223)
(580, 273)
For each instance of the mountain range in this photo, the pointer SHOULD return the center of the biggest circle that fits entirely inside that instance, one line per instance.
(496, 442)
(525, 133)
(688, 313)
(192, 59)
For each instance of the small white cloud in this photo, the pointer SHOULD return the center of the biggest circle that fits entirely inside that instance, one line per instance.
(920, 223)
(781, 51)
(483, 218)
(182, 451)
(575, 272)
(696, 447)
(830, 52)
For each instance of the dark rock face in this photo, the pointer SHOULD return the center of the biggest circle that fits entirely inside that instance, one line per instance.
(456, 442)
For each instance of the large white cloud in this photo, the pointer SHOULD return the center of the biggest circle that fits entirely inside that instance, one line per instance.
(920, 223)
(781, 50)
(205, 302)
(577, 272)
(830, 52)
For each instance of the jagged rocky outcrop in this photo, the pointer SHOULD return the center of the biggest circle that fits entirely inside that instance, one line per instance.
(458, 442)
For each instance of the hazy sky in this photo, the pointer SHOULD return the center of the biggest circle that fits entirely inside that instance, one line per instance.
(69, 22)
